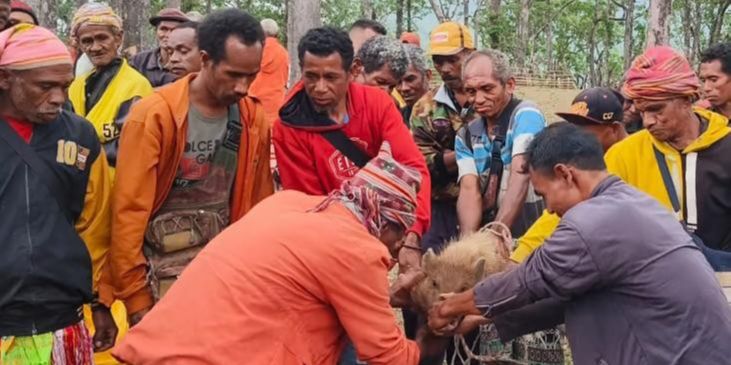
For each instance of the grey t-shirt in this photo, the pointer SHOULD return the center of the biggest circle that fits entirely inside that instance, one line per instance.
(205, 135)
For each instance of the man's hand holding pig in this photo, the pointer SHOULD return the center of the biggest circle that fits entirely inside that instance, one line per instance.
(446, 315)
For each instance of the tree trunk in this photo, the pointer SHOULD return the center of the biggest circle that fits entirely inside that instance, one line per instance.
(549, 42)
(399, 17)
(658, 26)
(687, 19)
(608, 45)
(466, 12)
(697, 30)
(366, 9)
(591, 59)
(173, 4)
(436, 5)
(135, 14)
(715, 35)
(629, 24)
(494, 19)
(408, 15)
(209, 6)
(47, 12)
(303, 16)
(523, 30)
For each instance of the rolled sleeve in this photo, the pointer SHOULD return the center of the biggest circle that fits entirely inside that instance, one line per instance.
(465, 158)
(560, 269)
(528, 122)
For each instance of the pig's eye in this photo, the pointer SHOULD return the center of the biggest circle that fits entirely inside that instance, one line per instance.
(434, 283)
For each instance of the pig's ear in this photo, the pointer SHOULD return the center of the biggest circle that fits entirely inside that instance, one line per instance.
(479, 269)
(427, 260)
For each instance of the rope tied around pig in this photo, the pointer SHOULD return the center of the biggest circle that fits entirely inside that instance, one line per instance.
(505, 239)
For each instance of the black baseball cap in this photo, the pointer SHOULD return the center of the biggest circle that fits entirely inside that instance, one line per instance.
(598, 105)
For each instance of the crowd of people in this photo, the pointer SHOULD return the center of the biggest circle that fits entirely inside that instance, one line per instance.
(185, 205)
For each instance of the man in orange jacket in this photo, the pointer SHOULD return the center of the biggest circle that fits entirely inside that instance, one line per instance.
(288, 282)
(271, 83)
(193, 158)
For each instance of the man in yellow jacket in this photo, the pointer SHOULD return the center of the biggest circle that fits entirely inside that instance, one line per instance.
(104, 95)
(694, 145)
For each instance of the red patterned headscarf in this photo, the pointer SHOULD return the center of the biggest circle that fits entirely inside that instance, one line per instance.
(383, 191)
(26, 47)
(661, 73)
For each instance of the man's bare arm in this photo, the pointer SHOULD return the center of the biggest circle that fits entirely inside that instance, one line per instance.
(469, 204)
(514, 198)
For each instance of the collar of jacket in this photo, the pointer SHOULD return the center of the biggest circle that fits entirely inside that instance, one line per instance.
(442, 97)
(298, 111)
(717, 129)
(605, 184)
(177, 97)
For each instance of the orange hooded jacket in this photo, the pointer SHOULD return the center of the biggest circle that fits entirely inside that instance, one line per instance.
(150, 149)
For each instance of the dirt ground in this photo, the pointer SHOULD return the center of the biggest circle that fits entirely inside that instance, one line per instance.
(549, 100)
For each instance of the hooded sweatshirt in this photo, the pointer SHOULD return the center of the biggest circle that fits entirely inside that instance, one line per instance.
(633, 160)
(309, 163)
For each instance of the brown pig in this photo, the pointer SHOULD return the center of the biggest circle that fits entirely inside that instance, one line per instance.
(461, 264)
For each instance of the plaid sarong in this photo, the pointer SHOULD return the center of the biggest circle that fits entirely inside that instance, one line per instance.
(67, 346)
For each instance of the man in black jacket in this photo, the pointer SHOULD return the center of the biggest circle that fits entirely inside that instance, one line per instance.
(54, 191)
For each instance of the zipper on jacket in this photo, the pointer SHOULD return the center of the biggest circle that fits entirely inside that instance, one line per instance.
(30, 240)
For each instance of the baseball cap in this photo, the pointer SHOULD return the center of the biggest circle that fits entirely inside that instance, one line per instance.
(450, 38)
(598, 105)
(168, 14)
(411, 38)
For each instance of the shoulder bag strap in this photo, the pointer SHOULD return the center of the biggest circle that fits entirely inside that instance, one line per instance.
(667, 179)
(232, 139)
(30, 157)
(494, 181)
(342, 143)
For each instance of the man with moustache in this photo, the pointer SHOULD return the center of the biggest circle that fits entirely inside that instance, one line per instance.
(192, 160)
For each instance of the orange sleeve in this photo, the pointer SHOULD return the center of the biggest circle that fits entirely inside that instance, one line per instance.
(359, 295)
(263, 180)
(132, 204)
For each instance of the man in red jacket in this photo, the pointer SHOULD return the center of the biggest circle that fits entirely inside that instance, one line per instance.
(326, 109)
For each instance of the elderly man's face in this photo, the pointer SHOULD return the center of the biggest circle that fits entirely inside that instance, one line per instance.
(413, 85)
(100, 42)
(487, 94)
(21, 17)
(664, 118)
(163, 32)
(183, 51)
(37, 95)
(4, 14)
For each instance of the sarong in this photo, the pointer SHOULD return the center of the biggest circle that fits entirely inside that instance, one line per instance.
(68, 346)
